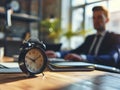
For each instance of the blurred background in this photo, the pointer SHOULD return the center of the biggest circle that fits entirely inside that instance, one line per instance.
(55, 22)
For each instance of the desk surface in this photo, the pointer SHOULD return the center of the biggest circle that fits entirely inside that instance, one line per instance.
(88, 80)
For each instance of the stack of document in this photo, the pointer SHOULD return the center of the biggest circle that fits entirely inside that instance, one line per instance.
(70, 66)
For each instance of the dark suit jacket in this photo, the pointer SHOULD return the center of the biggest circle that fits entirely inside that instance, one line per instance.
(106, 51)
(118, 59)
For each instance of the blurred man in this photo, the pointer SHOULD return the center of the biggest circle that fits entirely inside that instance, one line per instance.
(98, 48)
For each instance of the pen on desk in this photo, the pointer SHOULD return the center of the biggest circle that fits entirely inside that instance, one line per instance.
(107, 68)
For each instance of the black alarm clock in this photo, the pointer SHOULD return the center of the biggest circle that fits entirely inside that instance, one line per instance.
(32, 57)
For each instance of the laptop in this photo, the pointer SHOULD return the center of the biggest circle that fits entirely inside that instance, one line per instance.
(9, 67)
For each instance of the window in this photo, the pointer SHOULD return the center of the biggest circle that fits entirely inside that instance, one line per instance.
(77, 2)
(114, 24)
(77, 19)
(91, 1)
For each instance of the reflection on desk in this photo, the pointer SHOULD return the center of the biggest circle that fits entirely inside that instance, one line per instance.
(94, 80)
(99, 82)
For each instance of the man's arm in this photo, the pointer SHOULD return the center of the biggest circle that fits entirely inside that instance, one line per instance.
(107, 59)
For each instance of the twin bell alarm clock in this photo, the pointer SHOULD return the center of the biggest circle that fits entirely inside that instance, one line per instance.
(32, 58)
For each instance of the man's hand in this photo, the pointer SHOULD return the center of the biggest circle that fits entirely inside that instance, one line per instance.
(51, 54)
(73, 57)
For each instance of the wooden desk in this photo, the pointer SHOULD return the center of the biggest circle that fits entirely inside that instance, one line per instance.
(54, 81)
(7, 59)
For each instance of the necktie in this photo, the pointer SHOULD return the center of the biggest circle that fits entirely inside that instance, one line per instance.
(95, 44)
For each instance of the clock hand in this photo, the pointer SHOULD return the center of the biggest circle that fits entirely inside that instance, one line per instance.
(30, 59)
(37, 57)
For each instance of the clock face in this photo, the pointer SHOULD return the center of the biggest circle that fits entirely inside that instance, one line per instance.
(15, 5)
(34, 60)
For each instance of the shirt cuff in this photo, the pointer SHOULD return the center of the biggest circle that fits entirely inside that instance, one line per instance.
(84, 57)
(116, 57)
(58, 54)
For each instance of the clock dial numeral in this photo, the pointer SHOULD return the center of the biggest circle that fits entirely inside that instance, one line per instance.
(31, 66)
